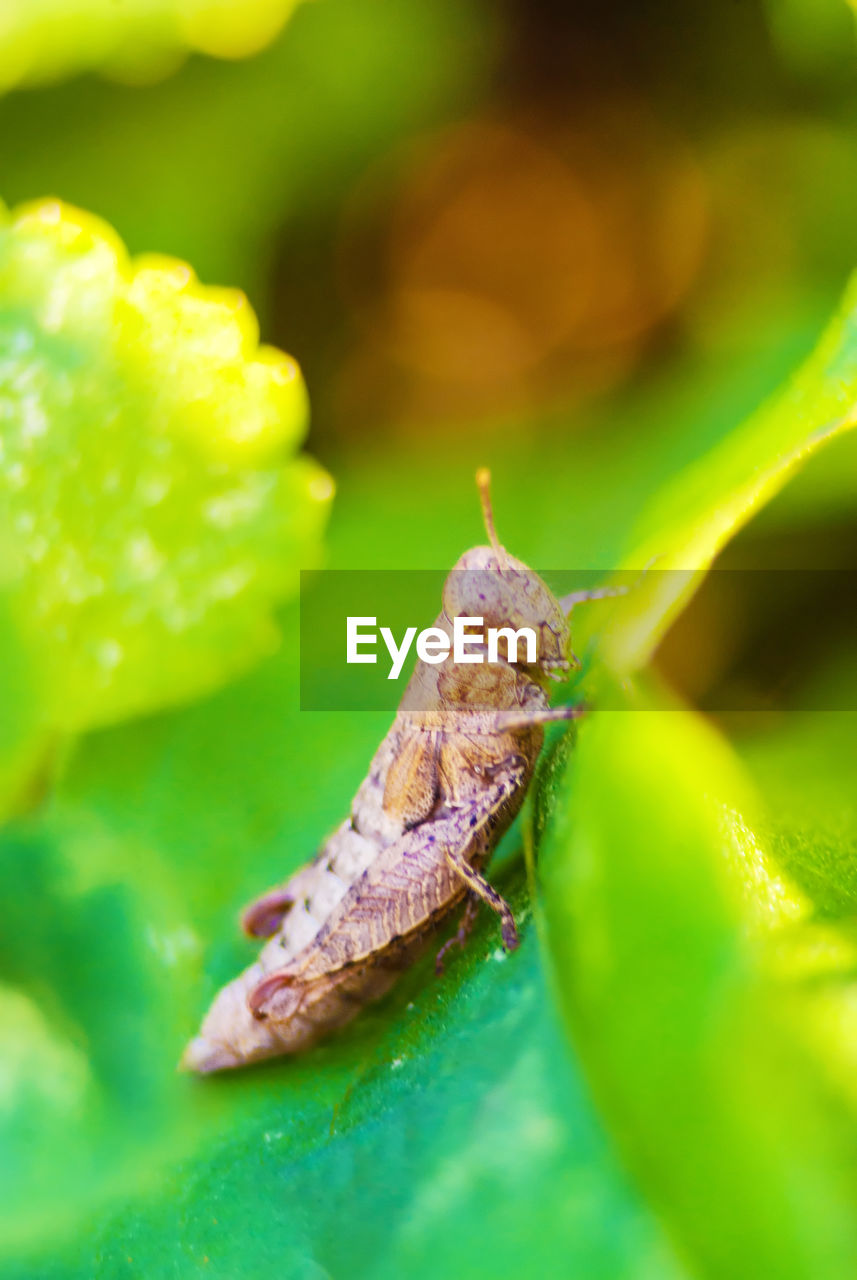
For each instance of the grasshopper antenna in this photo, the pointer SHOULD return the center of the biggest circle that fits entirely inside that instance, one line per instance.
(483, 483)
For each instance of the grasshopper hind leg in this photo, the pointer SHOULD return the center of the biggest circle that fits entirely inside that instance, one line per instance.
(480, 888)
(459, 938)
(263, 917)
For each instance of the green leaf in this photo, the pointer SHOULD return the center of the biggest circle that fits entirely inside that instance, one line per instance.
(697, 1052)
(21, 741)
(48, 39)
(691, 518)
(150, 502)
(711, 1007)
(807, 771)
(808, 774)
(446, 1131)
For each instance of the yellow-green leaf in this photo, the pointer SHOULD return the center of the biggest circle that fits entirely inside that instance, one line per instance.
(45, 40)
(152, 507)
(688, 522)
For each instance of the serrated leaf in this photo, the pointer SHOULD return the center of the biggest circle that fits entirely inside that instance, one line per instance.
(150, 499)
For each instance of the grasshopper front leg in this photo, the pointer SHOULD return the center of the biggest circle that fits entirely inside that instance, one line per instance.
(505, 778)
(509, 721)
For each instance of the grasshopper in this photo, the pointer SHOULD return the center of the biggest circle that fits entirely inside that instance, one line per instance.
(443, 787)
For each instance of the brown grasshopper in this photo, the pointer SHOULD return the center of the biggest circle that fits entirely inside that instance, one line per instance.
(444, 786)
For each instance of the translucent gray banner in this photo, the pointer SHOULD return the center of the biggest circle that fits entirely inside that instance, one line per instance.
(748, 640)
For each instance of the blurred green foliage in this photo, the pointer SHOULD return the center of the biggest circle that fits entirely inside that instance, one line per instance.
(134, 41)
(212, 163)
(659, 1083)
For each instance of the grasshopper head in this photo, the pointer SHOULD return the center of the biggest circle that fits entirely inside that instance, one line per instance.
(489, 583)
